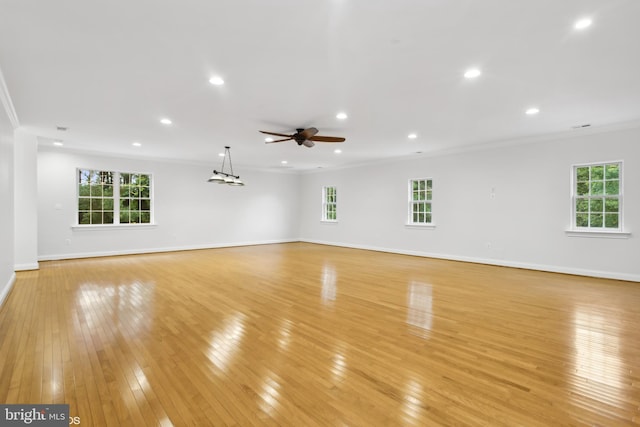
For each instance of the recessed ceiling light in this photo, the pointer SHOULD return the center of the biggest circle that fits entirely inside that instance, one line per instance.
(472, 73)
(58, 143)
(412, 136)
(216, 81)
(62, 128)
(221, 154)
(532, 111)
(337, 151)
(284, 162)
(136, 144)
(268, 139)
(165, 121)
(582, 24)
(341, 116)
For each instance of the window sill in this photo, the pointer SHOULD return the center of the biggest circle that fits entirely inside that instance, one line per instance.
(421, 226)
(111, 226)
(598, 234)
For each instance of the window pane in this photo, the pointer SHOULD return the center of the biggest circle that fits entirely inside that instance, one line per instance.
(612, 171)
(124, 190)
(582, 205)
(145, 217)
(84, 190)
(421, 185)
(124, 217)
(429, 195)
(83, 176)
(414, 185)
(415, 217)
(597, 188)
(108, 217)
(96, 204)
(582, 174)
(125, 178)
(94, 177)
(429, 185)
(597, 173)
(96, 190)
(611, 205)
(96, 217)
(124, 204)
(612, 187)
(84, 218)
(582, 189)
(596, 205)
(134, 179)
(83, 204)
(144, 180)
(107, 191)
(611, 220)
(595, 220)
(582, 220)
(135, 217)
(415, 195)
(107, 204)
(145, 204)
(134, 204)
(427, 207)
(134, 191)
(428, 218)
(144, 192)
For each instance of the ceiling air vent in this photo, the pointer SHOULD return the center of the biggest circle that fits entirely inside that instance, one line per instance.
(581, 126)
(62, 128)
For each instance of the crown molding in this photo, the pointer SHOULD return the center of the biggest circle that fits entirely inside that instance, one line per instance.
(7, 103)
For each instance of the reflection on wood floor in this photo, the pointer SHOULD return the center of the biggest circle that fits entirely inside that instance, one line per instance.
(301, 334)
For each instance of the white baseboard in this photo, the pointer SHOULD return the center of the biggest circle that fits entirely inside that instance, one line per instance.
(489, 261)
(7, 288)
(26, 267)
(56, 257)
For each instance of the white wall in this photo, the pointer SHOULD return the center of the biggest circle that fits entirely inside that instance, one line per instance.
(7, 275)
(189, 211)
(524, 225)
(26, 200)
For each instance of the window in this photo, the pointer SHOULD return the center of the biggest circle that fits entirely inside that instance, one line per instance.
(95, 197)
(135, 198)
(107, 197)
(329, 204)
(420, 201)
(597, 196)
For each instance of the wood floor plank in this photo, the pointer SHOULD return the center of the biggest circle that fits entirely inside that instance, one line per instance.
(303, 334)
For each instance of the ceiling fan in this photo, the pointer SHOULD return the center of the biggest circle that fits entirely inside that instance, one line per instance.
(304, 137)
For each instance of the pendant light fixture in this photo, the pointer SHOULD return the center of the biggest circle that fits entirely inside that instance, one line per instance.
(222, 177)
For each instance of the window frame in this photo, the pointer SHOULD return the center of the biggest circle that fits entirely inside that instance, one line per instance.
(326, 204)
(603, 231)
(116, 197)
(410, 203)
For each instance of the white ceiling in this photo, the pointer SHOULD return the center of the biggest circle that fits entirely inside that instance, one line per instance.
(109, 71)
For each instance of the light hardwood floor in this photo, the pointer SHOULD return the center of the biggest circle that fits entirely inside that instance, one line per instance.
(304, 335)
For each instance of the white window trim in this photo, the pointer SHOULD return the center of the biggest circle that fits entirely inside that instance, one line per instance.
(419, 225)
(116, 203)
(605, 233)
(323, 218)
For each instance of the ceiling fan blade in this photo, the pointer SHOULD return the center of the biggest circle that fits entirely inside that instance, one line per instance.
(327, 138)
(276, 134)
(308, 143)
(278, 140)
(309, 132)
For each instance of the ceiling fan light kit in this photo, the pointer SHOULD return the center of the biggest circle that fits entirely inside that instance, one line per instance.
(222, 177)
(306, 137)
